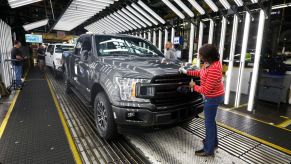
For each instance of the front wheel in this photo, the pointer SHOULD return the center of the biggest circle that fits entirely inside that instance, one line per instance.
(104, 120)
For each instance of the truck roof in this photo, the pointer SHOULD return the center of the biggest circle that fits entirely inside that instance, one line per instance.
(116, 35)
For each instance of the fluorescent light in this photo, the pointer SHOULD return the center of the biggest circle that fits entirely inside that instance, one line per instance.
(121, 26)
(125, 21)
(239, 2)
(120, 21)
(144, 14)
(222, 38)
(34, 25)
(173, 8)
(191, 43)
(242, 58)
(151, 12)
(281, 6)
(133, 17)
(79, 11)
(257, 60)
(113, 25)
(197, 7)
(200, 40)
(139, 16)
(211, 5)
(254, 1)
(211, 28)
(185, 8)
(129, 19)
(15, 4)
(225, 4)
(231, 57)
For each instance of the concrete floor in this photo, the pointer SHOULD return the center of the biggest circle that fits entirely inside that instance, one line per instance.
(4, 106)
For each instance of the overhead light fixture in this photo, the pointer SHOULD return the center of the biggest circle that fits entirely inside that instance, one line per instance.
(133, 17)
(122, 22)
(239, 2)
(173, 8)
(17, 3)
(225, 4)
(185, 8)
(121, 26)
(211, 5)
(197, 7)
(123, 19)
(257, 60)
(254, 1)
(144, 14)
(231, 58)
(281, 6)
(35, 25)
(79, 11)
(242, 58)
(129, 19)
(138, 15)
(151, 12)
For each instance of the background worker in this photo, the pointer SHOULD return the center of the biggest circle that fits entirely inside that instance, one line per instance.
(171, 52)
(41, 57)
(212, 88)
(17, 65)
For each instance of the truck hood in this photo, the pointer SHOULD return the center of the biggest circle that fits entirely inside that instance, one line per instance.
(142, 67)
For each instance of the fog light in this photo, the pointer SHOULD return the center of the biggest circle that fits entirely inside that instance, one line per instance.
(130, 114)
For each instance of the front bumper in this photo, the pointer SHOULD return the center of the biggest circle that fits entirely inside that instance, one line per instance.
(147, 118)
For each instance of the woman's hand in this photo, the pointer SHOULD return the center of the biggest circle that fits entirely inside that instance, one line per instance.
(192, 84)
(182, 70)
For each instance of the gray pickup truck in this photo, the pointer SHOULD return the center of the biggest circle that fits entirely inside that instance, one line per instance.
(127, 81)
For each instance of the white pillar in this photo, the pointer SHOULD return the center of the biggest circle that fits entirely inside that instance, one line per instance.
(211, 29)
(257, 60)
(149, 36)
(242, 58)
(191, 43)
(231, 57)
(222, 38)
(172, 35)
(154, 38)
(166, 40)
(140, 35)
(160, 40)
(200, 39)
(144, 35)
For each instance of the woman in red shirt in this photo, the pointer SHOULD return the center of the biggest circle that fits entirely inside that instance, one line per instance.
(211, 86)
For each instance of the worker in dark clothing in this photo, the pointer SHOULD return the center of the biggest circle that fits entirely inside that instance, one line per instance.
(17, 64)
(211, 86)
(41, 57)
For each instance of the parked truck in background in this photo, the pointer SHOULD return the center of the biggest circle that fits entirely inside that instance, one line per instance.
(127, 81)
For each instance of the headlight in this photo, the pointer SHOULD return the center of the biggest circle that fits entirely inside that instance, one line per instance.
(59, 61)
(127, 88)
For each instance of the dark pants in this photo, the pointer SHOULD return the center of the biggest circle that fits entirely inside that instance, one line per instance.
(210, 109)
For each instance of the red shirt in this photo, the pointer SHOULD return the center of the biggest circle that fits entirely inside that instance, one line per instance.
(211, 84)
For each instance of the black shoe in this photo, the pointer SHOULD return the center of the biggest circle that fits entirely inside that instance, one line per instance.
(202, 153)
(215, 146)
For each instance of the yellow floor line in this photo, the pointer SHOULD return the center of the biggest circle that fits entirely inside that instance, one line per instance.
(285, 124)
(250, 117)
(287, 151)
(10, 109)
(65, 126)
(7, 116)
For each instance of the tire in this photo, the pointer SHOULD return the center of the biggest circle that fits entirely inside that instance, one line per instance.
(103, 115)
(68, 89)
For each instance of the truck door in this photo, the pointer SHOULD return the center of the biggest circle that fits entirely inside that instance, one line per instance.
(84, 66)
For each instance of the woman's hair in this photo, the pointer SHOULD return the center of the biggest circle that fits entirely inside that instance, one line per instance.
(208, 53)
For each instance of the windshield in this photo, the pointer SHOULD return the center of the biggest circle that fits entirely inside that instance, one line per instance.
(62, 48)
(125, 46)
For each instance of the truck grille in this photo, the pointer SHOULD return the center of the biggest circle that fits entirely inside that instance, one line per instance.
(166, 95)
